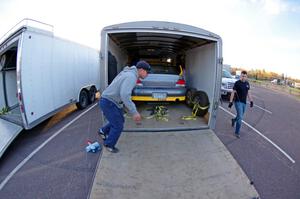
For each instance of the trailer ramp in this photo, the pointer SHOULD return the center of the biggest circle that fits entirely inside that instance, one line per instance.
(168, 165)
(8, 132)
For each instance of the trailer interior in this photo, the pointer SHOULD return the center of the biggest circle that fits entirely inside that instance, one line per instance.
(9, 105)
(195, 54)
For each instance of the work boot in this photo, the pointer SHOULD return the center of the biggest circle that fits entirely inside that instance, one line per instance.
(111, 149)
(232, 122)
(102, 134)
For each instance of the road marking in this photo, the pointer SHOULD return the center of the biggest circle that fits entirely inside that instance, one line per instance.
(263, 109)
(259, 133)
(19, 166)
(254, 96)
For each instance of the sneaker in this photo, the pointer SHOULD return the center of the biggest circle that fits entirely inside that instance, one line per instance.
(111, 149)
(102, 134)
(232, 122)
(237, 135)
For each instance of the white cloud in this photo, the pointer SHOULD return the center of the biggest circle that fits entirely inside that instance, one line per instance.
(274, 7)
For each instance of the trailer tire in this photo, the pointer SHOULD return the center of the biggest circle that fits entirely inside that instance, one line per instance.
(189, 97)
(202, 99)
(83, 99)
(92, 94)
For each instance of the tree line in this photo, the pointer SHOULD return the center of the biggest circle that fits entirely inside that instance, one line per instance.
(262, 74)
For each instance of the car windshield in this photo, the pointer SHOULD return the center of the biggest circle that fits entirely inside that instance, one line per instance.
(164, 70)
(226, 74)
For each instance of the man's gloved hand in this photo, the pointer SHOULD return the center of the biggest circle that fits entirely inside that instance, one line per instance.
(251, 104)
(230, 104)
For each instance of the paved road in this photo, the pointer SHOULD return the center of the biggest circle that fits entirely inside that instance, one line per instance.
(62, 169)
(276, 116)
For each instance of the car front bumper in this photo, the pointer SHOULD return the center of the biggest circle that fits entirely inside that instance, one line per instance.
(225, 91)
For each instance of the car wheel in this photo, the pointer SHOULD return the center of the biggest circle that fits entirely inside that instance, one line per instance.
(202, 99)
(83, 100)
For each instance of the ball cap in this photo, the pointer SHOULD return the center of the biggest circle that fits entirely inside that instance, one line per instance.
(144, 65)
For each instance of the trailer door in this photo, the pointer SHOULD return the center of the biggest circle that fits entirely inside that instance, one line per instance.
(8, 132)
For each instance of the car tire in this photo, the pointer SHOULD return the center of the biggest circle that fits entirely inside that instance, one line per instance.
(83, 99)
(189, 97)
(202, 99)
(92, 94)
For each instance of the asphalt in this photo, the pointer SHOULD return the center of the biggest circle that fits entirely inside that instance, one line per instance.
(63, 169)
(273, 174)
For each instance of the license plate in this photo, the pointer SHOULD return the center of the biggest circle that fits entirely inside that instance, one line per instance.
(160, 96)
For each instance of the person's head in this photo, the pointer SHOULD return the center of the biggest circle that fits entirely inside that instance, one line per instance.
(243, 76)
(143, 68)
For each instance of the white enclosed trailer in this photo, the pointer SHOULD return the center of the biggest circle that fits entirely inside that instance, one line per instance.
(39, 75)
(190, 163)
(197, 50)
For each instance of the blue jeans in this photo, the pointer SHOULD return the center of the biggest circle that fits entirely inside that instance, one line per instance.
(240, 108)
(115, 124)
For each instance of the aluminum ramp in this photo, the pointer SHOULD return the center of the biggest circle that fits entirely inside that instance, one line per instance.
(168, 165)
(8, 132)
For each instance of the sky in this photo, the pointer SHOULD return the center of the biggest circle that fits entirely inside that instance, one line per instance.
(256, 34)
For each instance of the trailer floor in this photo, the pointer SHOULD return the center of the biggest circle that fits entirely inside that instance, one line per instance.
(174, 118)
(167, 165)
(14, 115)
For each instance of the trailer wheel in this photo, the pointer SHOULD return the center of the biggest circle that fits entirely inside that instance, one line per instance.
(189, 97)
(92, 94)
(83, 100)
(202, 99)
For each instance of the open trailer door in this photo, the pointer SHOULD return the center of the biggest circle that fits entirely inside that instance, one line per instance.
(10, 117)
(8, 132)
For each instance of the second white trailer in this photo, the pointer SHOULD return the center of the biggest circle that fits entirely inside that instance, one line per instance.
(39, 75)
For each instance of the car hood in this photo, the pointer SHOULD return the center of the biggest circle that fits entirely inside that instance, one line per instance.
(228, 80)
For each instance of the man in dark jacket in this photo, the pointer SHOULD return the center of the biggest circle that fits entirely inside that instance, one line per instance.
(117, 94)
(241, 90)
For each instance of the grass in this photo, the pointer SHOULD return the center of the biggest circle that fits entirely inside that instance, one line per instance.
(4, 111)
(283, 88)
(257, 81)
